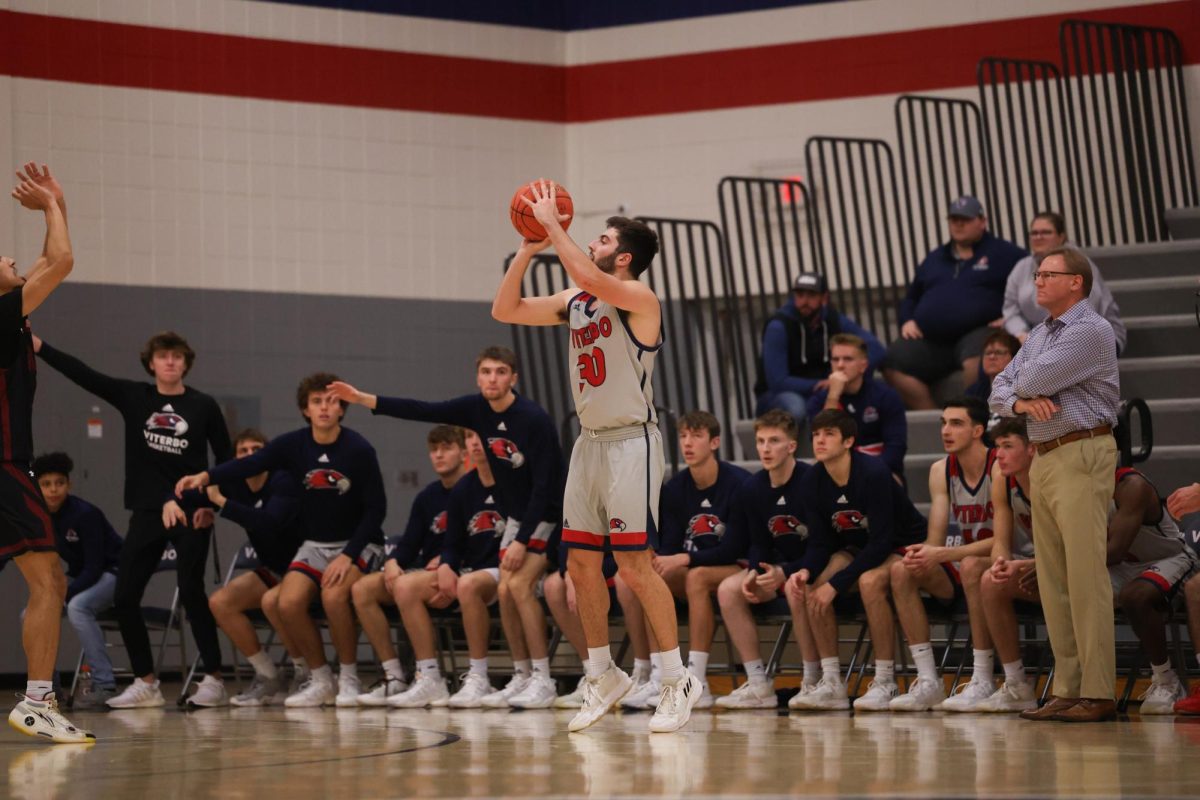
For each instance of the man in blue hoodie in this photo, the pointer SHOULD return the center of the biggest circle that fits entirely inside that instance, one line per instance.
(956, 292)
(795, 359)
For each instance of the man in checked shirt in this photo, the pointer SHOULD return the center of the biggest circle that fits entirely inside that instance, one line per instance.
(1065, 381)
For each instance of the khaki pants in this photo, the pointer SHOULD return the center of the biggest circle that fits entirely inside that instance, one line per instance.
(1072, 486)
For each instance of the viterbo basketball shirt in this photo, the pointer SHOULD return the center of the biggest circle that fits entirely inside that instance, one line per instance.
(611, 371)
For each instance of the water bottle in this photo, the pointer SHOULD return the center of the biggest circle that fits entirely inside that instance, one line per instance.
(83, 687)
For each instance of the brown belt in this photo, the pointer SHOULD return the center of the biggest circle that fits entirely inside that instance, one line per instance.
(1074, 436)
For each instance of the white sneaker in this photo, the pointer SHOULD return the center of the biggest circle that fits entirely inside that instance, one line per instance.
(751, 694)
(801, 697)
(969, 696)
(707, 699)
(1160, 698)
(379, 693)
(1012, 696)
(473, 689)
(300, 677)
(572, 700)
(313, 693)
(641, 694)
(923, 695)
(676, 703)
(879, 695)
(828, 695)
(261, 692)
(210, 693)
(138, 694)
(599, 695)
(44, 721)
(539, 692)
(499, 698)
(349, 688)
(424, 691)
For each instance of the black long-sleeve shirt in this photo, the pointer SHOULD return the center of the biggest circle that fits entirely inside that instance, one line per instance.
(695, 520)
(166, 436)
(522, 448)
(474, 525)
(771, 518)
(269, 515)
(422, 537)
(86, 542)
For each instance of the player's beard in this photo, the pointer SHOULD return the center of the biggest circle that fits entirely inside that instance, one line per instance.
(607, 264)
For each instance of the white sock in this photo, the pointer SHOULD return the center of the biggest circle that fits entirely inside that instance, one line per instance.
(672, 666)
(885, 671)
(922, 655)
(541, 666)
(393, 670)
(598, 661)
(698, 663)
(428, 668)
(641, 670)
(263, 665)
(347, 671)
(523, 667)
(323, 673)
(1163, 672)
(831, 669)
(812, 673)
(39, 691)
(479, 666)
(985, 665)
(755, 670)
(1014, 672)
(656, 667)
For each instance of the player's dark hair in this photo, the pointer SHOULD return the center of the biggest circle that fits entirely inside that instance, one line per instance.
(1010, 343)
(168, 340)
(699, 420)
(1054, 218)
(446, 434)
(839, 420)
(1010, 426)
(317, 382)
(851, 340)
(250, 435)
(636, 238)
(1076, 263)
(778, 418)
(57, 463)
(497, 353)
(976, 409)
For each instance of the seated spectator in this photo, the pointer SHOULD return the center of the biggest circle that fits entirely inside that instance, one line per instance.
(90, 547)
(795, 349)
(875, 406)
(1021, 311)
(998, 349)
(956, 292)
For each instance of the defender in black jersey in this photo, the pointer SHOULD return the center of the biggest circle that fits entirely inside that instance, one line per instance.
(26, 530)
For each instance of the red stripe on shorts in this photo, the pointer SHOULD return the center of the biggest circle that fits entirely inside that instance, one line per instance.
(631, 538)
(1156, 579)
(583, 537)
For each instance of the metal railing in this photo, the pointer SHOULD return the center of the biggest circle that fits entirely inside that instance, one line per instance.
(1130, 135)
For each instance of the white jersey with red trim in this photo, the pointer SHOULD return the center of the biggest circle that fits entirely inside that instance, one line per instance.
(1154, 542)
(1022, 519)
(970, 506)
(611, 371)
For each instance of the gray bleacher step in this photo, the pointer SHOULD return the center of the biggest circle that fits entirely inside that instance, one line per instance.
(1150, 296)
(1165, 335)
(1172, 466)
(1160, 376)
(1152, 260)
(1184, 223)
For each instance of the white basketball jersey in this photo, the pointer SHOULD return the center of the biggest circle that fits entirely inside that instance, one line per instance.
(970, 507)
(1022, 514)
(611, 372)
(1151, 542)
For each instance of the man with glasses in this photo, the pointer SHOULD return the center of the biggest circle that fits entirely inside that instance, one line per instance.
(957, 291)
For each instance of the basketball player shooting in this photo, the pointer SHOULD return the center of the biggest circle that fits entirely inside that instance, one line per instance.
(616, 469)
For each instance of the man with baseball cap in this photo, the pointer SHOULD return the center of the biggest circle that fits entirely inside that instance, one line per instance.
(795, 351)
(957, 291)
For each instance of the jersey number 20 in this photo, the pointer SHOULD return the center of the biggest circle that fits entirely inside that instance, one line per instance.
(591, 368)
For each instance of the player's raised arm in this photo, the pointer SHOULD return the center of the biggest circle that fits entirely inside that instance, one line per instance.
(510, 306)
(37, 194)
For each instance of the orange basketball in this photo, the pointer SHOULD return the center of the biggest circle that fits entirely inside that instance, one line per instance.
(522, 215)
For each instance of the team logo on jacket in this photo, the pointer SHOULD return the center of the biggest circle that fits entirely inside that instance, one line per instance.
(438, 525)
(327, 479)
(786, 525)
(849, 520)
(870, 414)
(705, 525)
(71, 535)
(164, 431)
(506, 450)
(486, 522)
(616, 524)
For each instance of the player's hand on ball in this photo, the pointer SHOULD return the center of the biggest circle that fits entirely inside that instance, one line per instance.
(545, 203)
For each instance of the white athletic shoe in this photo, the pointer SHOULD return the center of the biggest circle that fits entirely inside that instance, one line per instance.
(261, 692)
(572, 700)
(1012, 696)
(828, 695)
(379, 693)
(599, 695)
(879, 695)
(210, 693)
(471, 691)
(539, 692)
(675, 704)
(1160, 698)
(138, 694)
(923, 695)
(349, 688)
(499, 698)
(969, 696)
(641, 694)
(44, 721)
(707, 699)
(300, 676)
(751, 694)
(313, 693)
(800, 698)
(424, 691)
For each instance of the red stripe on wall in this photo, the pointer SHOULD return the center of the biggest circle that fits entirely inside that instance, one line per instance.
(112, 54)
